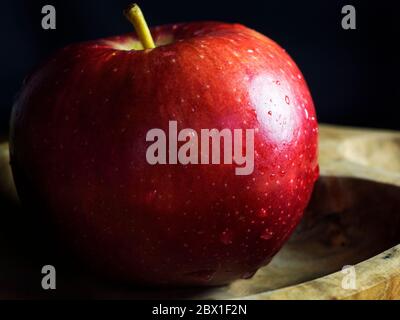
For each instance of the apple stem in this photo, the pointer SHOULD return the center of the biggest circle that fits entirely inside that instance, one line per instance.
(135, 16)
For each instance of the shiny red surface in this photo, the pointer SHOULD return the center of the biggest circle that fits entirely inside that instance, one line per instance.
(78, 146)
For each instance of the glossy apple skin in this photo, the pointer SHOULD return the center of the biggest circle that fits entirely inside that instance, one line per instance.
(78, 153)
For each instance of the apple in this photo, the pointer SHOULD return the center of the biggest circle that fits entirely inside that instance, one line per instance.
(78, 151)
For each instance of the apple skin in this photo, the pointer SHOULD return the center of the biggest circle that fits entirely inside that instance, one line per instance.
(78, 150)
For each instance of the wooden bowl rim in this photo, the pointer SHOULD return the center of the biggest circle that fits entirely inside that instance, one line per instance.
(373, 275)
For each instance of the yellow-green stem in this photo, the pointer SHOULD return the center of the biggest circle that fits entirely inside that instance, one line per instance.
(135, 16)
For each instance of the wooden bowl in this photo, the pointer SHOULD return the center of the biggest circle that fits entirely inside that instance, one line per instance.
(353, 220)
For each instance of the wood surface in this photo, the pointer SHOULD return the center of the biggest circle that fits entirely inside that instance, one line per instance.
(353, 220)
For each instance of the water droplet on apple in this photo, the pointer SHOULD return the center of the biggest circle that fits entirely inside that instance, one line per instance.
(262, 212)
(278, 83)
(226, 237)
(272, 176)
(287, 100)
(270, 112)
(266, 234)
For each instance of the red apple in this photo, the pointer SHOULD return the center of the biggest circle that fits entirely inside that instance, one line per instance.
(78, 148)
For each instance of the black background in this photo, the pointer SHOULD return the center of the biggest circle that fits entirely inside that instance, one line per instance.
(353, 74)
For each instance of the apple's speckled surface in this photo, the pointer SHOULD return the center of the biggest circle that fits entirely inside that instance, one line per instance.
(78, 152)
